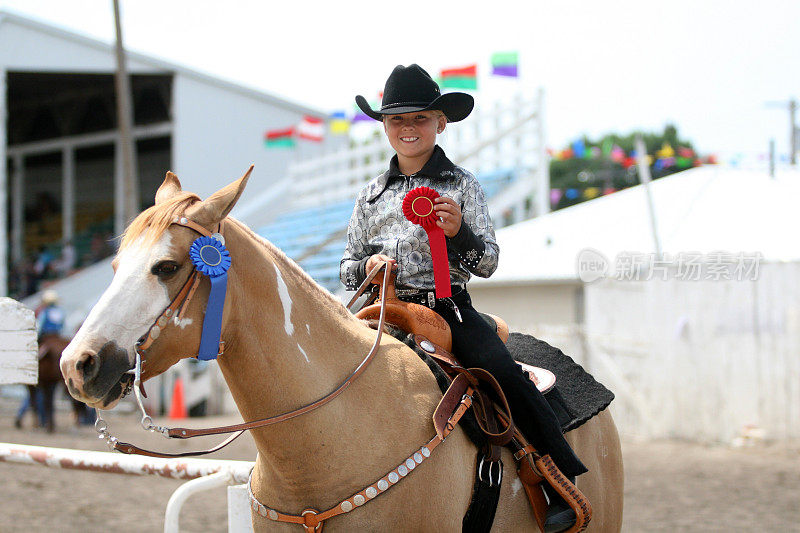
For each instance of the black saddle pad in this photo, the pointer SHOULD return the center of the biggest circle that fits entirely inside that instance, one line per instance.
(577, 396)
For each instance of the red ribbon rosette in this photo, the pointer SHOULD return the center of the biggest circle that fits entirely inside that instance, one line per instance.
(418, 208)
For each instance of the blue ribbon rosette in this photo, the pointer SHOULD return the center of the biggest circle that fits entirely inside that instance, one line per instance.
(211, 258)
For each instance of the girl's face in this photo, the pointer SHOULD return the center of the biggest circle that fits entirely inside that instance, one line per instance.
(413, 135)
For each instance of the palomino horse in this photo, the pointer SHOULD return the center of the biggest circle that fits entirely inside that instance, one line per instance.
(289, 342)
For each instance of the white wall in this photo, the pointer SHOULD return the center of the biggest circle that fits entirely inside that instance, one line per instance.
(700, 360)
(30, 46)
(528, 307)
(218, 134)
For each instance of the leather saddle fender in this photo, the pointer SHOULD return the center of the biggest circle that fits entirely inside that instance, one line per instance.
(409, 316)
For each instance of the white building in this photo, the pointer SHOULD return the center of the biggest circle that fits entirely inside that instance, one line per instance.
(698, 344)
(58, 137)
(703, 210)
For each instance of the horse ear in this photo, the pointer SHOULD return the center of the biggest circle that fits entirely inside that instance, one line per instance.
(216, 207)
(169, 188)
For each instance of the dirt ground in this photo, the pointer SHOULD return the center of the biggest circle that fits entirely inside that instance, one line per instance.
(669, 486)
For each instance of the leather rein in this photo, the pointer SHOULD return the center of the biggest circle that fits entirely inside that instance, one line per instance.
(176, 309)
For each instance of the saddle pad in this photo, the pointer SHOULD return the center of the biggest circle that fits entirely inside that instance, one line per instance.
(577, 396)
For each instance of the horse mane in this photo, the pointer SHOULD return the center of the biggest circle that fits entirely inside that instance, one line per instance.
(154, 221)
(322, 295)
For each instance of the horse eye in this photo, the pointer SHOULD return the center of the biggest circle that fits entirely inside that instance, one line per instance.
(164, 268)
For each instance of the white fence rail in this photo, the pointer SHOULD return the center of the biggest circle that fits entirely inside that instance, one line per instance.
(203, 473)
(507, 135)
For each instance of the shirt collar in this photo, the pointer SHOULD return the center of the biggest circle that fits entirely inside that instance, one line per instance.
(437, 166)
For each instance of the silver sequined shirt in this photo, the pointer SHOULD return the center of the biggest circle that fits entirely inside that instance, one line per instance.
(378, 226)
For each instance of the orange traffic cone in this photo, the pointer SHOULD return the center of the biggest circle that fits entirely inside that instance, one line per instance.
(177, 409)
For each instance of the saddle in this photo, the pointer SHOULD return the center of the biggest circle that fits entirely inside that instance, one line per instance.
(431, 334)
(425, 322)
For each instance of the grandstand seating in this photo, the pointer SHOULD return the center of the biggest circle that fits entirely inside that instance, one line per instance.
(315, 237)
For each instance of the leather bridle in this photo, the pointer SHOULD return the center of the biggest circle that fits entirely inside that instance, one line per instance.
(177, 308)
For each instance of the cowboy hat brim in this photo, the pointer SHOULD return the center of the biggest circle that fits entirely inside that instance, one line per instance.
(455, 106)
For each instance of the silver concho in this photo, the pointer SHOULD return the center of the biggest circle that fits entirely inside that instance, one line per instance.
(425, 451)
(219, 237)
(272, 514)
(418, 458)
(402, 470)
(262, 510)
(393, 477)
(371, 492)
(162, 321)
(358, 499)
(346, 506)
(155, 331)
(411, 464)
(427, 346)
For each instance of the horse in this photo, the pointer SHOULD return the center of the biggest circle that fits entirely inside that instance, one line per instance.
(288, 342)
(51, 345)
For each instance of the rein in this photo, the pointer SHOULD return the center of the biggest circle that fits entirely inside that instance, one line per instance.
(177, 307)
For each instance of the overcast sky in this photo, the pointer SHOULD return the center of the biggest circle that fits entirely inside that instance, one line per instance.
(710, 67)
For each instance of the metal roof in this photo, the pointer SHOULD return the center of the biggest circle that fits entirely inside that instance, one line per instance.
(706, 209)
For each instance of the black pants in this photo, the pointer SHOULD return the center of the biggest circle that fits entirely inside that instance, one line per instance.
(475, 344)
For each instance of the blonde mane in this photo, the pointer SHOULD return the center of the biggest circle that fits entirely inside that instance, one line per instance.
(154, 221)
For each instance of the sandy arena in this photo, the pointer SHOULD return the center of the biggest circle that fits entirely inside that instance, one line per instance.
(669, 486)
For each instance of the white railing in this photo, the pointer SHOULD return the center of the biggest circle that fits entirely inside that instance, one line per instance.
(506, 135)
(203, 474)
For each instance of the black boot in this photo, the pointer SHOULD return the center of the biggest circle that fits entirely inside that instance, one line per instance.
(560, 516)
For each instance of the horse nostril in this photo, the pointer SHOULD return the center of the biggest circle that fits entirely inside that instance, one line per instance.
(87, 366)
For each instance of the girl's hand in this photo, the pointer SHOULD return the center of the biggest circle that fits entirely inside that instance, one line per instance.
(373, 261)
(449, 214)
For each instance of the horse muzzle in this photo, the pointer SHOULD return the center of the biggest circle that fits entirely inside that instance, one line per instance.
(97, 378)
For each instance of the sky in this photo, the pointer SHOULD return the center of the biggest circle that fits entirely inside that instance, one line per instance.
(712, 68)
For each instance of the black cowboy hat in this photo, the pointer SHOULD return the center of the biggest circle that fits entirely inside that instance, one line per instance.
(410, 89)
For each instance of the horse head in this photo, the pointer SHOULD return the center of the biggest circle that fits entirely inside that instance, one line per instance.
(151, 267)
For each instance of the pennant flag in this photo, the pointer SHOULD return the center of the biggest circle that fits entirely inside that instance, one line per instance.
(505, 64)
(591, 192)
(593, 153)
(360, 116)
(684, 162)
(459, 78)
(311, 129)
(617, 154)
(555, 196)
(579, 149)
(666, 151)
(339, 124)
(571, 194)
(279, 138)
(685, 152)
(609, 190)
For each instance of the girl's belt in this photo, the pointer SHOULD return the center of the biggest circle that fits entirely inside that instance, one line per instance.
(428, 298)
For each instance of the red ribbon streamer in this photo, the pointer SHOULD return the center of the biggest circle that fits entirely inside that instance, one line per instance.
(418, 208)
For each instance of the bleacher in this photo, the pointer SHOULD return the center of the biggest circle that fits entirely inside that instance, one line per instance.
(315, 237)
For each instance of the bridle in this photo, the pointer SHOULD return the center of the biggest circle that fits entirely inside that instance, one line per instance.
(176, 309)
(456, 401)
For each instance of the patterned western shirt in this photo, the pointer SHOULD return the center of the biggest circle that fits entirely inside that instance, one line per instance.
(378, 226)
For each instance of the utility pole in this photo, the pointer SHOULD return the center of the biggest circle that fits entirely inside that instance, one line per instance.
(127, 192)
(794, 131)
(644, 177)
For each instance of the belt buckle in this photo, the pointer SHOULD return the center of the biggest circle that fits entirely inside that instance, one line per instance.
(431, 300)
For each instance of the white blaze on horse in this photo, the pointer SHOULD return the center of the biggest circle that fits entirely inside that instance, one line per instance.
(289, 342)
